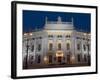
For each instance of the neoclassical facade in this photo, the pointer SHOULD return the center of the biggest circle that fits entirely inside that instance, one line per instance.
(57, 43)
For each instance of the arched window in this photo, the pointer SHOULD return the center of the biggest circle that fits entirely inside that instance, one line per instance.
(68, 46)
(59, 46)
(78, 46)
(50, 46)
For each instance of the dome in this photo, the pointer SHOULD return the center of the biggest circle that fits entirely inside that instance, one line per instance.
(58, 25)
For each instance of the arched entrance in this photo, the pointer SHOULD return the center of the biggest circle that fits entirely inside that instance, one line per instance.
(59, 56)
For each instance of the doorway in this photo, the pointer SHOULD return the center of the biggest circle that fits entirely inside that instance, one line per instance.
(59, 57)
(50, 58)
(68, 59)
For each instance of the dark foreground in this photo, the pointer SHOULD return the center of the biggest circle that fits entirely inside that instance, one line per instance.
(39, 66)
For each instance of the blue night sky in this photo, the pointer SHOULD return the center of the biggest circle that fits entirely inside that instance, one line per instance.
(36, 19)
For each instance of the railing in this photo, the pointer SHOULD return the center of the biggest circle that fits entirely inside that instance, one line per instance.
(60, 22)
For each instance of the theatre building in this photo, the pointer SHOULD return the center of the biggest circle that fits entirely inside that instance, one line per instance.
(58, 43)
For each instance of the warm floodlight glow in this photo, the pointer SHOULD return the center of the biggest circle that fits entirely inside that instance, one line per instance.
(30, 34)
(72, 59)
(45, 59)
(59, 53)
(58, 32)
(25, 34)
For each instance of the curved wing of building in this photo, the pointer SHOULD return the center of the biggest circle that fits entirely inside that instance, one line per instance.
(58, 43)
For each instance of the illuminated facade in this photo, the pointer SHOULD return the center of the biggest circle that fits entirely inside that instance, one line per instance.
(57, 43)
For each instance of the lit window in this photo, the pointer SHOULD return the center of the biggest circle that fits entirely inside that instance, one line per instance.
(59, 46)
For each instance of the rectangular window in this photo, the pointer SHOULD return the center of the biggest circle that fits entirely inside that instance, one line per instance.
(39, 47)
(84, 47)
(88, 46)
(68, 46)
(32, 48)
(59, 46)
(78, 46)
